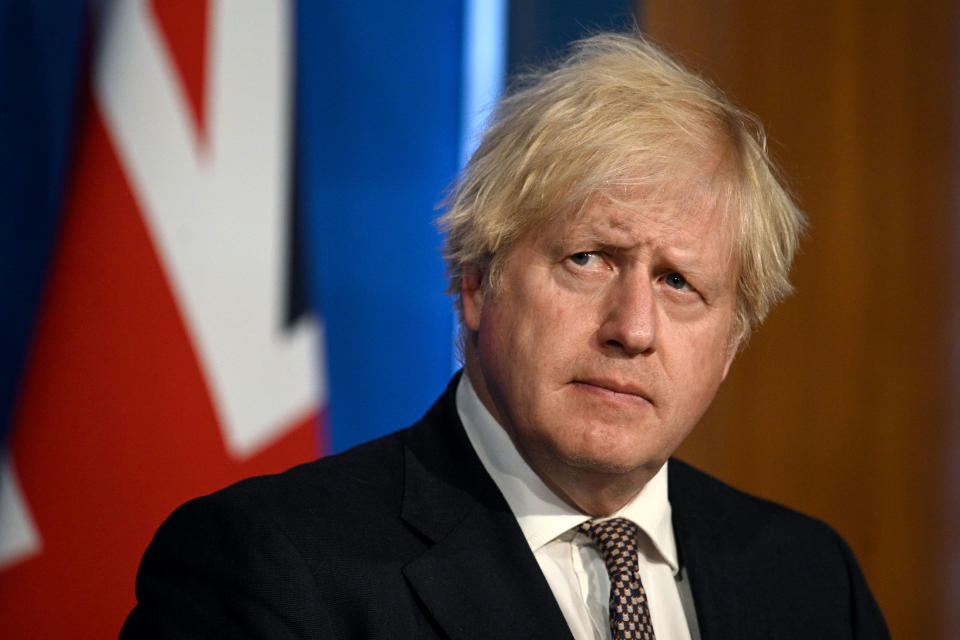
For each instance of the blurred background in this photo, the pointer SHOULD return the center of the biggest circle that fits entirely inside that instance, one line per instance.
(218, 258)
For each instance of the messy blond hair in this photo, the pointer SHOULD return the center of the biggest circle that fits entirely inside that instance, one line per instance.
(620, 116)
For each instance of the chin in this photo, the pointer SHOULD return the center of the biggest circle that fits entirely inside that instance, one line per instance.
(612, 465)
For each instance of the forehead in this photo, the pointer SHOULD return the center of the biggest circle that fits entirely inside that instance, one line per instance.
(687, 221)
(685, 189)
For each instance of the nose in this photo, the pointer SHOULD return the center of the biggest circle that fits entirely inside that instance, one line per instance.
(629, 325)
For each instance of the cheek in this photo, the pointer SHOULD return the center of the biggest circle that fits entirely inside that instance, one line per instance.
(524, 344)
(558, 331)
(534, 316)
(504, 339)
(698, 359)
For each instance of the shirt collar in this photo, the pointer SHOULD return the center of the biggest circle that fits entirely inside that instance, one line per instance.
(542, 514)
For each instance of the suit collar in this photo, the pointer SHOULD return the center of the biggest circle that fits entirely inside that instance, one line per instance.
(478, 577)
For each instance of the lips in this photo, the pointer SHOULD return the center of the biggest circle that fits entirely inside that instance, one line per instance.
(614, 390)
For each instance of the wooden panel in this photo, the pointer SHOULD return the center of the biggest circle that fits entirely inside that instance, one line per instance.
(842, 406)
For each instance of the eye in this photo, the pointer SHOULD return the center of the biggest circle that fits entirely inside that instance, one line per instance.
(676, 281)
(582, 258)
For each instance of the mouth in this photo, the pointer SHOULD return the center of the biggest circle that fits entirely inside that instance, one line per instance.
(613, 390)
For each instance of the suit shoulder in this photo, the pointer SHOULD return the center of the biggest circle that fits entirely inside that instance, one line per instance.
(333, 486)
(267, 537)
(795, 567)
(698, 495)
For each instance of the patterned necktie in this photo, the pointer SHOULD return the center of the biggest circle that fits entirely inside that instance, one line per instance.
(629, 613)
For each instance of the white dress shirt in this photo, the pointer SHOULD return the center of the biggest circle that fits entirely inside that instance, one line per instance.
(570, 562)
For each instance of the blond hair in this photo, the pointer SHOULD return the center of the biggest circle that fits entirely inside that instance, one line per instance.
(620, 116)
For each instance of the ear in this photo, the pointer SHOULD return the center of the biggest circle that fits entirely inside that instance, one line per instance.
(471, 296)
(726, 365)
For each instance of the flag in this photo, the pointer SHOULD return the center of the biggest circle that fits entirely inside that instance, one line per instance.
(164, 361)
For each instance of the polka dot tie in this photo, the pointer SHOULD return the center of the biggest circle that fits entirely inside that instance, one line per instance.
(629, 613)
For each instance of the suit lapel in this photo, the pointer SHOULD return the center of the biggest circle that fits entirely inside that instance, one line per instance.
(477, 584)
(478, 578)
(726, 604)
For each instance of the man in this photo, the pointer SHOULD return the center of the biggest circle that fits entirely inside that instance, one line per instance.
(611, 244)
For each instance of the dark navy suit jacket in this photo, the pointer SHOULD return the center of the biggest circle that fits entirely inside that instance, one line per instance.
(408, 537)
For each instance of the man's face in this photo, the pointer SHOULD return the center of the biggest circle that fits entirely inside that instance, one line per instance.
(608, 337)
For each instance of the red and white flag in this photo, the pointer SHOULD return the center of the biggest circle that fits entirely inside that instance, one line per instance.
(162, 364)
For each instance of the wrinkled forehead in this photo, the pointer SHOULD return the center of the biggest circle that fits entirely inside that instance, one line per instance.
(648, 226)
(673, 192)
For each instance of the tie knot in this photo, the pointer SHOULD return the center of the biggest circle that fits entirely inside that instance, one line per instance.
(617, 540)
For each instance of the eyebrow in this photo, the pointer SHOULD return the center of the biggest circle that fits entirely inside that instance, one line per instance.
(592, 235)
(609, 237)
